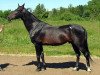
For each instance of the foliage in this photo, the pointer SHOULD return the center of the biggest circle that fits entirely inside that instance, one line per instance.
(4, 14)
(91, 11)
(81, 12)
(94, 7)
(39, 11)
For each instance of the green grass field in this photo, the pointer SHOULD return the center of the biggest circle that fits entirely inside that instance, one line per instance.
(15, 40)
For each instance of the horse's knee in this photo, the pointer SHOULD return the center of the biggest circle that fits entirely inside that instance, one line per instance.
(78, 54)
(42, 55)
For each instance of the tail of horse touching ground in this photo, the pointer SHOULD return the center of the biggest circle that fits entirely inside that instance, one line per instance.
(42, 33)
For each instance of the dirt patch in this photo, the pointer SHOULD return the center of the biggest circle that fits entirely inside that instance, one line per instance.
(26, 65)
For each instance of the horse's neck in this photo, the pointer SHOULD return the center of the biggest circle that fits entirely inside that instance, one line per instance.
(30, 21)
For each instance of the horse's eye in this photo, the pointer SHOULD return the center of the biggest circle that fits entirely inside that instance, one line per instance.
(18, 10)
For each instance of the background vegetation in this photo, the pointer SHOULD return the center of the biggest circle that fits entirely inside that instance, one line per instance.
(14, 38)
(91, 11)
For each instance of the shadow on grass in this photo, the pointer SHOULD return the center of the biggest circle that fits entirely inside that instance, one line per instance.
(62, 65)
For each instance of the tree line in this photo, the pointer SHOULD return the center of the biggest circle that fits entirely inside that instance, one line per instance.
(91, 11)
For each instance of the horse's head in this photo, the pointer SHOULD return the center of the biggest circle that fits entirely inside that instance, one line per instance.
(18, 13)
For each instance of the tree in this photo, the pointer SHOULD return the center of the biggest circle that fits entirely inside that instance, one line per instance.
(39, 10)
(1, 14)
(54, 12)
(4, 14)
(94, 8)
(45, 15)
(62, 10)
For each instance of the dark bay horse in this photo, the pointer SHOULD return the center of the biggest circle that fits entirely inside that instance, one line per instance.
(42, 33)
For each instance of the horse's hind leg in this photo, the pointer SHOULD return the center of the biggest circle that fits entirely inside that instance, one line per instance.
(77, 55)
(87, 56)
(83, 47)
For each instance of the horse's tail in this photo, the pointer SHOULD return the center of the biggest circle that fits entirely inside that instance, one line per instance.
(86, 46)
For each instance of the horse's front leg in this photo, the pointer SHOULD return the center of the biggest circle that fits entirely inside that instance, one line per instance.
(42, 57)
(39, 53)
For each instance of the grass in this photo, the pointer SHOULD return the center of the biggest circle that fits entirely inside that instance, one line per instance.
(15, 39)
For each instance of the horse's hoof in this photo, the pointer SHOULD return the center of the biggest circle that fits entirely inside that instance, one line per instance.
(75, 68)
(0, 68)
(38, 69)
(89, 70)
(44, 68)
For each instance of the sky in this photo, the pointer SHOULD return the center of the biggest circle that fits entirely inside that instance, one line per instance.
(49, 4)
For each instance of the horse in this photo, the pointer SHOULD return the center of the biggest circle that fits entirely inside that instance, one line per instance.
(42, 33)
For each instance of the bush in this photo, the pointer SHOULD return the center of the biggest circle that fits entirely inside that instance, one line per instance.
(69, 16)
(3, 21)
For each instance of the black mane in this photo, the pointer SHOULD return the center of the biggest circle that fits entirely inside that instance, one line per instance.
(30, 16)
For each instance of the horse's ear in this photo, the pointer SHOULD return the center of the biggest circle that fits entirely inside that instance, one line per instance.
(18, 5)
(23, 5)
